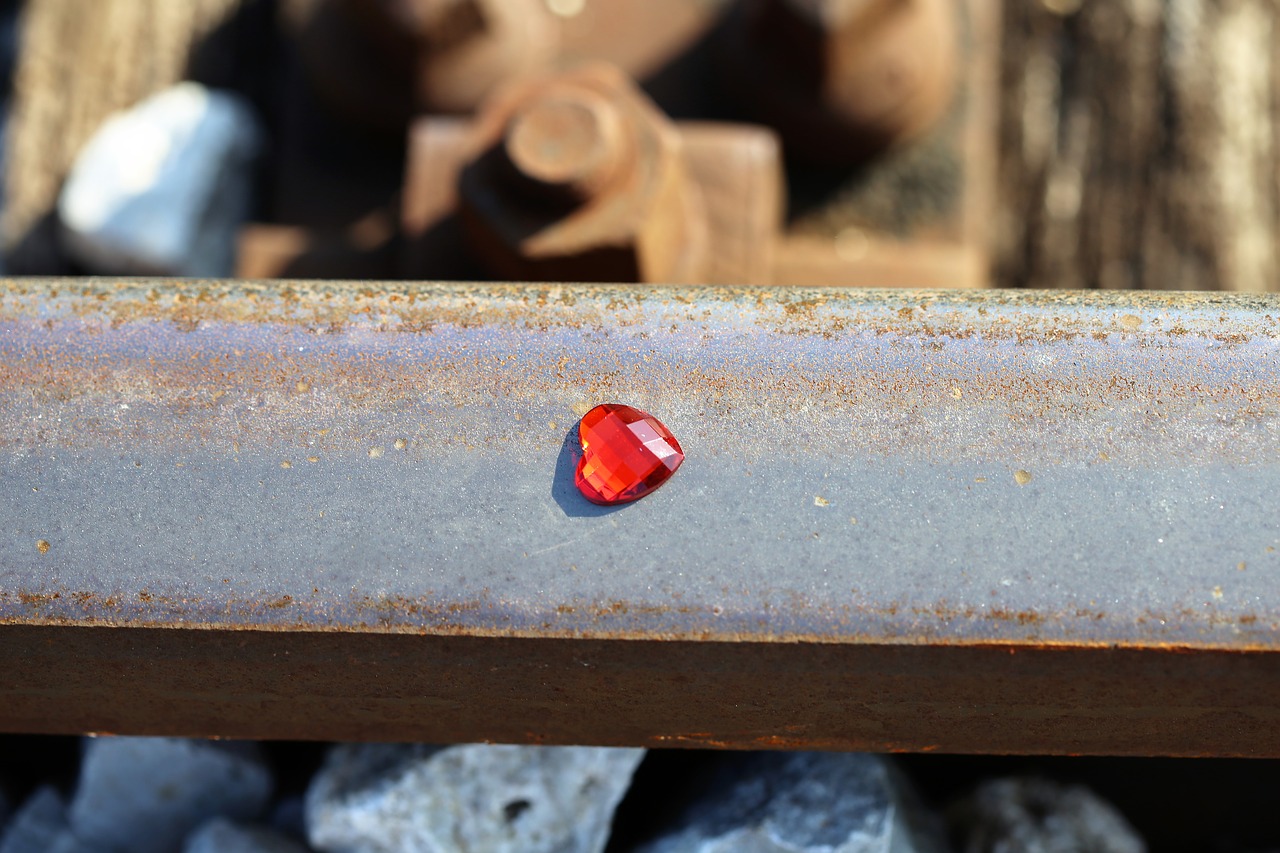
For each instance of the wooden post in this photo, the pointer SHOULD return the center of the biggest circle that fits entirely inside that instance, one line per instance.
(1140, 145)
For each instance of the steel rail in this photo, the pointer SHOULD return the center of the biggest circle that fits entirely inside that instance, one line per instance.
(968, 521)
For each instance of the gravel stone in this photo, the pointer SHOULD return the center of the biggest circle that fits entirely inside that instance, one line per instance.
(162, 188)
(803, 802)
(41, 826)
(380, 798)
(144, 795)
(1031, 815)
(223, 836)
(289, 817)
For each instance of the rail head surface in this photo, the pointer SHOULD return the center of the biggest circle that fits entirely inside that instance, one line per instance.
(947, 479)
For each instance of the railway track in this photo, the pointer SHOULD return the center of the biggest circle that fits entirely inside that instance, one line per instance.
(962, 521)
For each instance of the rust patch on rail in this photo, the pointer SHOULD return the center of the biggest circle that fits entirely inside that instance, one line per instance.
(328, 307)
(232, 376)
(856, 623)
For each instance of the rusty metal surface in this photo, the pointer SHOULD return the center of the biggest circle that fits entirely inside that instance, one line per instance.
(578, 176)
(732, 182)
(756, 695)
(842, 82)
(954, 473)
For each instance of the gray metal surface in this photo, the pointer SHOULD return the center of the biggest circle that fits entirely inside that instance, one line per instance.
(861, 466)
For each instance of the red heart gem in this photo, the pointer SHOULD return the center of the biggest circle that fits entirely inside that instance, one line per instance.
(626, 453)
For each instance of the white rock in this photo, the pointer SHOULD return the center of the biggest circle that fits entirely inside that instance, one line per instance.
(223, 836)
(162, 188)
(380, 798)
(40, 826)
(1033, 815)
(144, 795)
(36, 824)
(803, 802)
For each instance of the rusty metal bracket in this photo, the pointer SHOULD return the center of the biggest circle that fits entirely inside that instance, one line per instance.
(980, 521)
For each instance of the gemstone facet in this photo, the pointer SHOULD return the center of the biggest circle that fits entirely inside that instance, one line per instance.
(626, 453)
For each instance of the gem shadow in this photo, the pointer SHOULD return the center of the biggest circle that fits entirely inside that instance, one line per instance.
(563, 490)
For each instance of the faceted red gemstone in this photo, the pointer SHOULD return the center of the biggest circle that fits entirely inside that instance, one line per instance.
(626, 453)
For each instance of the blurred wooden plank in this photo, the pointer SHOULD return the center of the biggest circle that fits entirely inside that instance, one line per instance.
(1140, 145)
(860, 259)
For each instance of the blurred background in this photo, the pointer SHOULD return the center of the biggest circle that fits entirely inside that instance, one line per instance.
(936, 143)
(885, 143)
